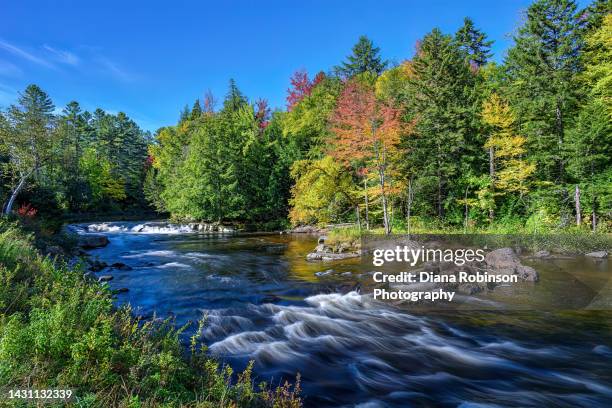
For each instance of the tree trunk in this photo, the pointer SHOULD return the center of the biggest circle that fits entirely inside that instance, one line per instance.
(577, 200)
(594, 220)
(467, 211)
(14, 194)
(367, 209)
(358, 217)
(440, 213)
(409, 205)
(381, 175)
(560, 130)
(492, 177)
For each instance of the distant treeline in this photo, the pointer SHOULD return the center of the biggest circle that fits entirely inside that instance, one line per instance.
(71, 162)
(446, 138)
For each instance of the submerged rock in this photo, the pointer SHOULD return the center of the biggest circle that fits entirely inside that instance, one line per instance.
(121, 266)
(541, 254)
(90, 241)
(121, 290)
(97, 266)
(597, 254)
(324, 273)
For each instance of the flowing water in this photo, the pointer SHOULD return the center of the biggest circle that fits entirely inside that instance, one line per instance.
(262, 301)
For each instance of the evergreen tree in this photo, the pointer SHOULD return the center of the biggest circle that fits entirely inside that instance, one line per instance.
(364, 59)
(473, 43)
(27, 139)
(440, 101)
(234, 99)
(196, 111)
(542, 68)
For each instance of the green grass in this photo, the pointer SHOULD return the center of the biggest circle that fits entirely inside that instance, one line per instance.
(568, 240)
(59, 331)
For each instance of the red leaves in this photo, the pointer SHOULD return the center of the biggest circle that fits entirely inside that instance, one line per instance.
(27, 211)
(301, 86)
(262, 113)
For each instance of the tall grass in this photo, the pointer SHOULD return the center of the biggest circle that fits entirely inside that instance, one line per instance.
(58, 330)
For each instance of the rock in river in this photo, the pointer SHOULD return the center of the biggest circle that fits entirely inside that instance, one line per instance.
(504, 261)
(597, 254)
(89, 241)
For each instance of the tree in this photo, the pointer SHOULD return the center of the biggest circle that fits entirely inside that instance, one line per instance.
(27, 139)
(364, 59)
(439, 98)
(542, 67)
(301, 87)
(323, 189)
(196, 111)
(512, 171)
(590, 140)
(366, 130)
(234, 99)
(473, 43)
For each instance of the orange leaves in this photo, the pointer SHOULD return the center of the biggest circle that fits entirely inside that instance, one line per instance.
(365, 127)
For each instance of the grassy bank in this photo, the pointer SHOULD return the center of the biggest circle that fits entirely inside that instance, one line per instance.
(59, 331)
(560, 240)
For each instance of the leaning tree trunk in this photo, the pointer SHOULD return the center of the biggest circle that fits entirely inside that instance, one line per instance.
(14, 194)
(577, 200)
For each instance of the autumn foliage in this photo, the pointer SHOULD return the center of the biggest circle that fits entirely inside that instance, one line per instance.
(301, 87)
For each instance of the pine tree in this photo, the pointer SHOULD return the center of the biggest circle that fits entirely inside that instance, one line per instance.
(234, 100)
(196, 111)
(364, 59)
(27, 139)
(473, 43)
(440, 101)
(542, 68)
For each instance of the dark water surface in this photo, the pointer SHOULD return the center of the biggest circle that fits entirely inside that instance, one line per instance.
(263, 302)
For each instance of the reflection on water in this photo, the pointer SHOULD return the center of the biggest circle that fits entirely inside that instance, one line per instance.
(264, 302)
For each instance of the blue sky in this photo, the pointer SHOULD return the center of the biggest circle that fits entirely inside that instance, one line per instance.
(150, 58)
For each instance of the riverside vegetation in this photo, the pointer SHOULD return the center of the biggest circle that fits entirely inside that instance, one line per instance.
(444, 141)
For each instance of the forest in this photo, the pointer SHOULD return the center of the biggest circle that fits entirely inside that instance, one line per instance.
(446, 139)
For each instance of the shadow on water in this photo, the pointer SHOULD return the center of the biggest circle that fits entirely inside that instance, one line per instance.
(263, 302)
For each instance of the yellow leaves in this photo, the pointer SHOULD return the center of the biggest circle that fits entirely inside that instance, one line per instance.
(321, 186)
(598, 69)
(497, 113)
(513, 171)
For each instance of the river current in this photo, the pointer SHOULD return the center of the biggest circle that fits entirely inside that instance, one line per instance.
(262, 301)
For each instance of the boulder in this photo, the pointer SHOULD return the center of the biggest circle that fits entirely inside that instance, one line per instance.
(90, 241)
(321, 239)
(105, 278)
(504, 261)
(597, 254)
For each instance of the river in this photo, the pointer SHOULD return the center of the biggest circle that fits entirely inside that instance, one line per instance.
(263, 301)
